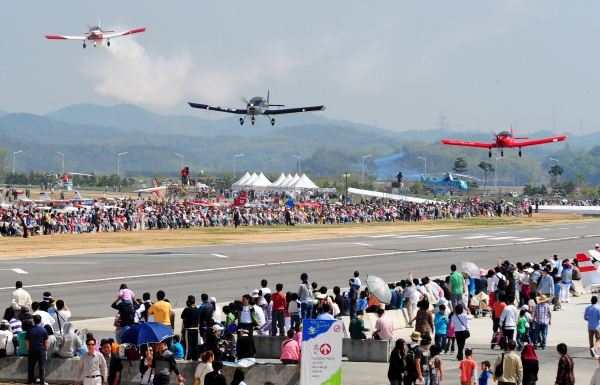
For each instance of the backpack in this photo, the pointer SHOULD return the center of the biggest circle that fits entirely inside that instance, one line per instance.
(501, 283)
(410, 366)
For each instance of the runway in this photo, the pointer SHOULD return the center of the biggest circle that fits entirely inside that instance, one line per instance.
(89, 282)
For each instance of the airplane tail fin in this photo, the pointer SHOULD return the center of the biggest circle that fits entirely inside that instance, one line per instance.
(44, 196)
(589, 274)
(2, 198)
(156, 182)
(157, 194)
(21, 196)
(76, 195)
(240, 201)
(268, 91)
(511, 129)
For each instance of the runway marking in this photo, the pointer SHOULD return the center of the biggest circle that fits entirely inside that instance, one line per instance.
(220, 255)
(297, 262)
(19, 271)
(436, 236)
(499, 238)
(522, 231)
(502, 232)
(363, 244)
(382, 236)
(580, 227)
(477, 237)
(529, 239)
(410, 236)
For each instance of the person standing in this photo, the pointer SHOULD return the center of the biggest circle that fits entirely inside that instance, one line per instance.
(531, 365)
(422, 360)
(305, 297)
(164, 363)
(113, 363)
(20, 298)
(542, 317)
(278, 312)
(92, 366)
(353, 297)
(564, 374)
(246, 316)
(460, 322)
(162, 311)
(190, 317)
(397, 363)
(508, 319)
(423, 321)
(215, 377)
(456, 286)
(206, 311)
(592, 316)
(512, 368)
(546, 285)
(36, 340)
(440, 322)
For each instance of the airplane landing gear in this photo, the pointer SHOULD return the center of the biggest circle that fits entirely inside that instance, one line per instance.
(84, 45)
(253, 120)
(490, 154)
(272, 121)
(108, 43)
(502, 153)
(94, 44)
(242, 121)
(519, 151)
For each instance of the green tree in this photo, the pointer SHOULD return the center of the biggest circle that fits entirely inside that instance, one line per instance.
(4, 160)
(580, 177)
(487, 168)
(460, 165)
(554, 172)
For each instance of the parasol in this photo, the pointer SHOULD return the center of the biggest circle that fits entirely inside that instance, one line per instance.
(379, 289)
(471, 269)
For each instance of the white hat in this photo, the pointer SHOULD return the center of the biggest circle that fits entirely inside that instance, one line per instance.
(217, 327)
(525, 307)
(212, 299)
(597, 246)
(254, 293)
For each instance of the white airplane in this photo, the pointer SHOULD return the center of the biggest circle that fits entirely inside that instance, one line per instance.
(96, 35)
(156, 191)
(77, 198)
(3, 204)
(26, 201)
(589, 274)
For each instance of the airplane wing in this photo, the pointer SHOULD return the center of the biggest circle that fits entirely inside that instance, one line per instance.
(217, 108)
(540, 141)
(119, 34)
(151, 189)
(395, 197)
(468, 144)
(56, 37)
(294, 110)
(589, 274)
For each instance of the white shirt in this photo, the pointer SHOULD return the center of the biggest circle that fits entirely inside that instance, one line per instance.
(496, 278)
(260, 315)
(461, 322)
(264, 290)
(20, 298)
(245, 318)
(217, 314)
(46, 319)
(509, 317)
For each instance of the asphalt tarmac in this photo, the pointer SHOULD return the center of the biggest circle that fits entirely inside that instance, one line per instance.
(89, 282)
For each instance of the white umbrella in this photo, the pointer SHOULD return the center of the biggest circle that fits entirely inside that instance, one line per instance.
(379, 289)
(471, 269)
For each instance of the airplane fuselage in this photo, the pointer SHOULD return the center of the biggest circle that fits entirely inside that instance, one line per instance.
(257, 106)
(446, 183)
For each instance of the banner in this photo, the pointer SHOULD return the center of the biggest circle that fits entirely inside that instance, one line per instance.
(321, 352)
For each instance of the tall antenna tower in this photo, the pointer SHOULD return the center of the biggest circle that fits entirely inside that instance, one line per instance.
(443, 123)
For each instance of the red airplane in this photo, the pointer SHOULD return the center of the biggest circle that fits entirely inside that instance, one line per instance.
(504, 140)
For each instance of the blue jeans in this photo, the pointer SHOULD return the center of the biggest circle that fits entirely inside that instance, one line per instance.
(36, 357)
(353, 311)
(523, 337)
(169, 342)
(294, 320)
(440, 341)
(306, 310)
(278, 319)
(543, 328)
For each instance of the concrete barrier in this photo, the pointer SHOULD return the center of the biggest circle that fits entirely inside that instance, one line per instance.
(366, 350)
(62, 371)
(268, 347)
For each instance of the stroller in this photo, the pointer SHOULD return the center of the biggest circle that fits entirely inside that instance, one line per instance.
(497, 339)
(478, 305)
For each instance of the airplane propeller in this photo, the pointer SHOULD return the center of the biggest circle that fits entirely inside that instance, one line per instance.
(243, 99)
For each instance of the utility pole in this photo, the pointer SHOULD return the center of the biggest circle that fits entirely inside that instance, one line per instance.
(299, 164)
(15, 160)
(234, 160)
(63, 158)
(363, 175)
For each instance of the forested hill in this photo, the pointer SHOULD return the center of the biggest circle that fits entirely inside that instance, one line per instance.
(90, 148)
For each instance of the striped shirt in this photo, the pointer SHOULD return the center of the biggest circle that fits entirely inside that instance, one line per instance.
(542, 313)
(15, 325)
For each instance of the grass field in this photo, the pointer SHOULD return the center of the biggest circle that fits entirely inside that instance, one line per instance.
(82, 243)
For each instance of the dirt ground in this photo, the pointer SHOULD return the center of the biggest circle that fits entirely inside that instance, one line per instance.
(61, 244)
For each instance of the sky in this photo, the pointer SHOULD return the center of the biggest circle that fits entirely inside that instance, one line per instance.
(398, 65)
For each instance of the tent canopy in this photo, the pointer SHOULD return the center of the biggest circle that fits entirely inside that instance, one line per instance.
(285, 182)
(278, 181)
(260, 182)
(241, 181)
(304, 183)
(290, 183)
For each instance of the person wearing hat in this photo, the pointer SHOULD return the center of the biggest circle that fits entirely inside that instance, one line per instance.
(190, 330)
(20, 298)
(542, 317)
(546, 285)
(214, 342)
(423, 369)
(410, 370)
(245, 346)
(217, 312)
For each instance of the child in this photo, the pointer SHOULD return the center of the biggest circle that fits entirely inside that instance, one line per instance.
(177, 348)
(557, 289)
(435, 364)
(522, 335)
(126, 295)
(441, 322)
(362, 301)
(450, 336)
(485, 373)
(294, 309)
(468, 369)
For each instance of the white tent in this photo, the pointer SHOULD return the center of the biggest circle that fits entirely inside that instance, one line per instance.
(290, 183)
(241, 181)
(249, 181)
(260, 183)
(285, 182)
(303, 183)
(277, 182)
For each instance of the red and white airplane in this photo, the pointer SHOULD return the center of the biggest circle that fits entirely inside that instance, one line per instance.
(504, 140)
(589, 274)
(96, 35)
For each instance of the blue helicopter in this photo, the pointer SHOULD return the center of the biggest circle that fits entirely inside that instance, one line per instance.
(448, 183)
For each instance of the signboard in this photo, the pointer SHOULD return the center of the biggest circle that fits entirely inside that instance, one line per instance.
(321, 352)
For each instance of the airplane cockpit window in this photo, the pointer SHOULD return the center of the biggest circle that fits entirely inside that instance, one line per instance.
(504, 133)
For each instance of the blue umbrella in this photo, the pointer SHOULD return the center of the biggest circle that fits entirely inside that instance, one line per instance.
(148, 332)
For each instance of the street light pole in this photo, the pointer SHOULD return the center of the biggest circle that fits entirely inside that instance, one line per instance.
(556, 160)
(15, 159)
(363, 176)
(234, 160)
(346, 175)
(425, 159)
(496, 172)
(119, 163)
(299, 163)
(63, 155)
